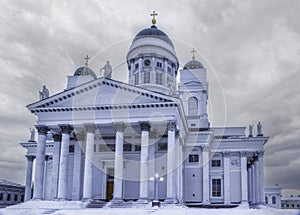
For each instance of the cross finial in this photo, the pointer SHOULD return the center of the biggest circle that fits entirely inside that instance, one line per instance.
(153, 17)
(87, 60)
(193, 51)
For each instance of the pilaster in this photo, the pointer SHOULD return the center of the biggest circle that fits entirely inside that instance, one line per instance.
(244, 177)
(205, 169)
(226, 178)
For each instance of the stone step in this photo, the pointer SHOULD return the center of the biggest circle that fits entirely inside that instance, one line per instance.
(120, 204)
(49, 211)
(96, 204)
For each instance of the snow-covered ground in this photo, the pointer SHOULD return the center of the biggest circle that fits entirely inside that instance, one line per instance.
(77, 208)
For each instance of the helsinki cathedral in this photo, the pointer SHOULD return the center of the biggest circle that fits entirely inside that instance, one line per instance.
(103, 141)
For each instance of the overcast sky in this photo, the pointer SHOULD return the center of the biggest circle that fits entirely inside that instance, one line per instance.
(251, 47)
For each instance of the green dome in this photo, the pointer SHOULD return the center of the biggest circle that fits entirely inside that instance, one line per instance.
(85, 71)
(193, 64)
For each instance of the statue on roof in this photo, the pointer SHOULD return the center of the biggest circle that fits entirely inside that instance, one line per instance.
(259, 129)
(32, 134)
(106, 71)
(251, 130)
(44, 93)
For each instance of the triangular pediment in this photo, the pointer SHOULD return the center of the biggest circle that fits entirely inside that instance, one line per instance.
(102, 92)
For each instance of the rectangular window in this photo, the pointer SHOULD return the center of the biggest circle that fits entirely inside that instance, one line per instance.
(193, 158)
(136, 66)
(110, 173)
(162, 146)
(16, 197)
(8, 198)
(169, 69)
(136, 78)
(137, 147)
(127, 147)
(147, 77)
(215, 163)
(159, 64)
(216, 187)
(1, 196)
(159, 78)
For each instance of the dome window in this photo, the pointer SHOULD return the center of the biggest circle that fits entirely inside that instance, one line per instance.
(193, 106)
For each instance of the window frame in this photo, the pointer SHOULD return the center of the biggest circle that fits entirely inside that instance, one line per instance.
(193, 106)
(212, 186)
(193, 158)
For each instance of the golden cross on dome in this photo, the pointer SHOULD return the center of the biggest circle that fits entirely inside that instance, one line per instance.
(193, 51)
(87, 60)
(153, 19)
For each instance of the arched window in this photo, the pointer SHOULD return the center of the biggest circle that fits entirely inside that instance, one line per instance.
(273, 200)
(193, 106)
(266, 200)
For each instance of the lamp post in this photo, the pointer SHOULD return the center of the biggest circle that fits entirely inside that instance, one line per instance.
(156, 179)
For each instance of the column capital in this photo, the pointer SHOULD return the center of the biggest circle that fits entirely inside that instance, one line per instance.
(90, 127)
(205, 148)
(42, 129)
(56, 137)
(226, 154)
(260, 153)
(145, 126)
(30, 157)
(243, 154)
(171, 125)
(119, 126)
(66, 128)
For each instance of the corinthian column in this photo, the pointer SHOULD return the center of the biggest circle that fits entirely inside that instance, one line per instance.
(261, 177)
(88, 167)
(63, 161)
(171, 156)
(118, 178)
(144, 169)
(28, 177)
(40, 161)
(55, 164)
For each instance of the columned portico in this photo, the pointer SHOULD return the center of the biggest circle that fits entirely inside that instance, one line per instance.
(88, 167)
(118, 178)
(144, 168)
(40, 162)
(171, 161)
(28, 182)
(244, 177)
(226, 178)
(64, 161)
(205, 168)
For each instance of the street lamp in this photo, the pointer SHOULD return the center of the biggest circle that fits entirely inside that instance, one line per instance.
(156, 179)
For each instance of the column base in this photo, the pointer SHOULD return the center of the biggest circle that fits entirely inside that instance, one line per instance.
(119, 200)
(171, 201)
(206, 202)
(143, 201)
(227, 203)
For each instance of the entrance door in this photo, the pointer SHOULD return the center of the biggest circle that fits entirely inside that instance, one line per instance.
(109, 190)
(110, 183)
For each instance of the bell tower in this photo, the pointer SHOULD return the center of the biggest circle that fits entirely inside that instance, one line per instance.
(193, 91)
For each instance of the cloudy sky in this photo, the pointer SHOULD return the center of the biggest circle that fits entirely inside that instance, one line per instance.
(251, 48)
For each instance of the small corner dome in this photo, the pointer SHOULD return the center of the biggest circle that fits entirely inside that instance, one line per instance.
(153, 31)
(193, 64)
(85, 71)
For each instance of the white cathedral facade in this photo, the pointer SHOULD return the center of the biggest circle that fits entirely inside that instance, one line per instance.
(101, 139)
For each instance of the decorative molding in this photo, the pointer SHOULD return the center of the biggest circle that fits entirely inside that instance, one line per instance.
(119, 126)
(42, 129)
(235, 161)
(172, 125)
(90, 127)
(66, 128)
(145, 126)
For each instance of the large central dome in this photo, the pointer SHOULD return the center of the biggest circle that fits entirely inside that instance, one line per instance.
(153, 31)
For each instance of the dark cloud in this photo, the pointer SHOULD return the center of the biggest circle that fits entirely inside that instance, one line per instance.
(253, 46)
